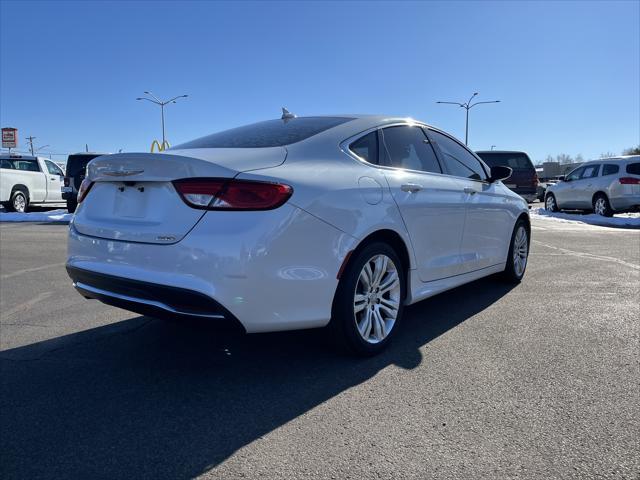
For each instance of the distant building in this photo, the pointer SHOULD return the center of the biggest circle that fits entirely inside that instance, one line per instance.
(549, 170)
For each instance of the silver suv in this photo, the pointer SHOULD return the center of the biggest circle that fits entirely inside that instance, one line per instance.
(607, 186)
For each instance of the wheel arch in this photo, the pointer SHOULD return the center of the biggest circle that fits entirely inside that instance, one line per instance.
(527, 222)
(22, 187)
(388, 236)
(599, 192)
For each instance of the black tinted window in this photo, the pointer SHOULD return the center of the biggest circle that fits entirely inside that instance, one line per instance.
(272, 133)
(408, 147)
(590, 171)
(610, 169)
(366, 147)
(76, 164)
(633, 168)
(515, 160)
(458, 160)
(24, 164)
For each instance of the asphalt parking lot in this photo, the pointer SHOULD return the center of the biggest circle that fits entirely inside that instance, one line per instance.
(485, 381)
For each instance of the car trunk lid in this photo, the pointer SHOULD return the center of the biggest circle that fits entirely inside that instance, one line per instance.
(133, 198)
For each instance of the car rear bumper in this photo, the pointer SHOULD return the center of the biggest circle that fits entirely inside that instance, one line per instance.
(149, 298)
(529, 197)
(271, 270)
(625, 202)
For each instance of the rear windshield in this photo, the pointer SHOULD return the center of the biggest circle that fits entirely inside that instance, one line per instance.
(272, 133)
(77, 163)
(515, 160)
(633, 168)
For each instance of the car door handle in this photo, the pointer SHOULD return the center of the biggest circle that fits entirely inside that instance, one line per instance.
(410, 187)
(469, 190)
(53, 178)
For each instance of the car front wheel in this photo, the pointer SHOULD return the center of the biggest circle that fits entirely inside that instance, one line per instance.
(550, 203)
(518, 253)
(369, 301)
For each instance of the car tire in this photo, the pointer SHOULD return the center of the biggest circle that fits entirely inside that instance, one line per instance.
(518, 253)
(601, 205)
(71, 206)
(365, 317)
(550, 203)
(19, 201)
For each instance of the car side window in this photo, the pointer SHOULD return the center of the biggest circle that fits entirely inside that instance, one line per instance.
(53, 168)
(609, 169)
(458, 160)
(408, 147)
(366, 147)
(575, 174)
(28, 165)
(590, 171)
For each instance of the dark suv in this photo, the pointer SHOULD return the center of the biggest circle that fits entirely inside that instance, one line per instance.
(75, 173)
(523, 180)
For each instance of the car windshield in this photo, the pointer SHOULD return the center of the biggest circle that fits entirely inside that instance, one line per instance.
(271, 133)
(77, 163)
(514, 160)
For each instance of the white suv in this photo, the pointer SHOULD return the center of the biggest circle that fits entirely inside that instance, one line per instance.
(606, 186)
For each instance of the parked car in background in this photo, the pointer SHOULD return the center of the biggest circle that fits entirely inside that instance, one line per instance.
(523, 180)
(75, 173)
(542, 187)
(27, 181)
(299, 222)
(606, 186)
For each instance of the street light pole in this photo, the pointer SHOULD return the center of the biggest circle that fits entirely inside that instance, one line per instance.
(162, 103)
(468, 106)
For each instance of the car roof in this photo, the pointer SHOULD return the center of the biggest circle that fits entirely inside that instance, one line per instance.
(501, 151)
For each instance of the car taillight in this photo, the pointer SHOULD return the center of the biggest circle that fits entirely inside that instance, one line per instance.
(225, 194)
(67, 182)
(629, 181)
(85, 186)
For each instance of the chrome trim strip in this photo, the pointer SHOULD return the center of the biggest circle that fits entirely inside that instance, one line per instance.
(99, 291)
(120, 173)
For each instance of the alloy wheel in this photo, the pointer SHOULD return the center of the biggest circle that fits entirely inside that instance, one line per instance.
(550, 203)
(376, 300)
(600, 206)
(520, 251)
(19, 203)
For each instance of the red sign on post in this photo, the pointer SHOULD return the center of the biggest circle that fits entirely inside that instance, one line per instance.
(9, 137)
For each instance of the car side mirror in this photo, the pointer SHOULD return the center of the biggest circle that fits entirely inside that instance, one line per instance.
(500, 173)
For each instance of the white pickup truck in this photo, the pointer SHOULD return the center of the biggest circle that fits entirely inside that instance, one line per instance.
(26, 181)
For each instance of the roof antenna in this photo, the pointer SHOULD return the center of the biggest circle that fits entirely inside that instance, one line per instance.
(287, 115)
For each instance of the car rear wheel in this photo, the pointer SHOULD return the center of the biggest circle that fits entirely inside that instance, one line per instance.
(601, 205)
(71, 206)
(550, 203)
(518, 253)
(19, 201)
(369, 301)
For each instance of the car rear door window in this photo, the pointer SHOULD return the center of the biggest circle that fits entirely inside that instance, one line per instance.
(366, 147)
(633, 168)
(610, 169)
(590, 171)
(408, 147)
(458, 160)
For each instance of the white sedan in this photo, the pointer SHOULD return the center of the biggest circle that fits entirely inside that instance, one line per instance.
(299, 222)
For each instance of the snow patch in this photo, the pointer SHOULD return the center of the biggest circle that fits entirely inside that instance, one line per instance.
(625, 220)
(50, 216)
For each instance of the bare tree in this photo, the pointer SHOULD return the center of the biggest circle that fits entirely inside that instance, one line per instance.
(632, 151)
(607, 155)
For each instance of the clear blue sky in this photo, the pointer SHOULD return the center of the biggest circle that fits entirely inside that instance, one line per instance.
(567, 73)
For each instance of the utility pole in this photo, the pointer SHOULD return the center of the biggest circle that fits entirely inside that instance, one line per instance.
(30, 139)
(468, 106)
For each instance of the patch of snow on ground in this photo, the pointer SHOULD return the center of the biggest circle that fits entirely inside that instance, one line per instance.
(50, 216)
(625, 220)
